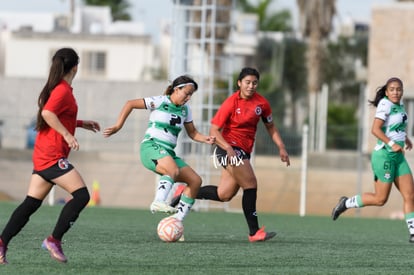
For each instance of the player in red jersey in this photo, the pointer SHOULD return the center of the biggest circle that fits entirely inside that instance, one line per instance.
(234, 127)
(56, 123)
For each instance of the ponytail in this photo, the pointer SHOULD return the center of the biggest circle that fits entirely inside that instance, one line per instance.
(62, 62)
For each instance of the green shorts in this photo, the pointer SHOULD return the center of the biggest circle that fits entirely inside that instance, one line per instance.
(151, 152)
(388, 165)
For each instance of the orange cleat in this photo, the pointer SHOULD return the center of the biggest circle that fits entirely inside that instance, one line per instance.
(261, 235)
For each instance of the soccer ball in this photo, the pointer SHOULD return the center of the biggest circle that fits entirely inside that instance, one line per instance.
(170, 229)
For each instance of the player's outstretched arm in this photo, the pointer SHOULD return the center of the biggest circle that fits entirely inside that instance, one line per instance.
(197, 136)
(126, 110)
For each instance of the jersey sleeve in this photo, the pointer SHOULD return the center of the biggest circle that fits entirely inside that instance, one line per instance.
(383, 109)
(267, 116)
(189, 117)
(57, 101)
(223, 113)
(153, 102)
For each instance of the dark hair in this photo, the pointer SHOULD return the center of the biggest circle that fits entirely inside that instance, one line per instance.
(184, 79)
(248, 71)
(380, 94)
(62, 62)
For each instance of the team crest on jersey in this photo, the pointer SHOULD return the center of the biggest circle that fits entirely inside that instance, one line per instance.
(387, 176)
(258, 110)
(152, 105)
(183, 111)
(63, 164)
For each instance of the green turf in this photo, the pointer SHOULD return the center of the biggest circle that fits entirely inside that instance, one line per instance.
(124, 241)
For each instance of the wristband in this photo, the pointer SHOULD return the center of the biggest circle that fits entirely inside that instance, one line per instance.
(390, 143)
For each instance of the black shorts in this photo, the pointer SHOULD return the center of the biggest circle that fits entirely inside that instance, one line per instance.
(221, 155)
(59, 169)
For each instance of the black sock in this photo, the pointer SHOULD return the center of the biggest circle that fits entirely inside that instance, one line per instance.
(249, 209)
(70, 212)
(208, 192)
(19, 218)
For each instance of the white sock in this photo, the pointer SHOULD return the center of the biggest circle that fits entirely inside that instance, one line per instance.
(184, 207)
(410, 225)
(163, 189)
(353, 202)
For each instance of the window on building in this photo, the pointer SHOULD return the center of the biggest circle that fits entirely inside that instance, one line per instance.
(93, 63)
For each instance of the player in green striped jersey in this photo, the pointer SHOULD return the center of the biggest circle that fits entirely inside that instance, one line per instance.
(169, 114)
(388, 161)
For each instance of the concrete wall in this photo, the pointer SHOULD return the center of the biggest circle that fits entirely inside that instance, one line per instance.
(390, 51)
(124, 182)
(97, 100)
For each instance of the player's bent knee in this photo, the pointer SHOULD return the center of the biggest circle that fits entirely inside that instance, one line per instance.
(225, 198)
(82, 196)
(381, 201)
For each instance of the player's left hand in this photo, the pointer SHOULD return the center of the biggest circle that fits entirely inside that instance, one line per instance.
(210, 139)
(284, 157)
(91, 125)
(408, 144)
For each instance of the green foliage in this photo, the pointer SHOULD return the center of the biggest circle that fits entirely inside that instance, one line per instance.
(268, 21)
(265, 54)
(294, 77)
(123, 241)
(119, 8)
(342, 132)
(339, 67)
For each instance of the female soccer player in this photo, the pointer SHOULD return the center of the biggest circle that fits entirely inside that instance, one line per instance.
(387, 160)
(56, 123)
(170, 113)
(234, 127)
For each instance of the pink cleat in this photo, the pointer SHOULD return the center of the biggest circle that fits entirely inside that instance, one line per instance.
(55, 249)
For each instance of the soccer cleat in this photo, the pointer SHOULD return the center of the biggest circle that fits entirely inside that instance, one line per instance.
(261, 235)
(177, 195)
(55, 249)
(339, 208)
(3, 250)
(160, 206)
(411, 240)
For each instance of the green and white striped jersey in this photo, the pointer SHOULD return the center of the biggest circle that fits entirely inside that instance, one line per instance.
(166, 120)
(395, 121)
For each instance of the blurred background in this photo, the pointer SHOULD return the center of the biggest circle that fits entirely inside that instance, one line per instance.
(320, 61)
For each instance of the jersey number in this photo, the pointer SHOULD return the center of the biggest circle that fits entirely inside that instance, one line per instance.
(175, 120)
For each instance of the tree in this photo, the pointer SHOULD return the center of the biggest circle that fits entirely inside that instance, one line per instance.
(119, 8)
(294, 76)
(316, 23)
(275, 21)
(339, 67)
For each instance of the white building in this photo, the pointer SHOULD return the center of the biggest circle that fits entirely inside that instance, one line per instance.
(112, 51)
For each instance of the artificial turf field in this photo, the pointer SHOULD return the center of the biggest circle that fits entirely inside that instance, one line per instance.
(124, 241)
